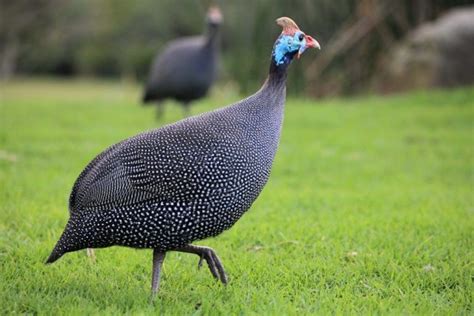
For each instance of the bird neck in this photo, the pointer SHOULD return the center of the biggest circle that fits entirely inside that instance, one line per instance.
(212, 34)
(281, 58)
(277, 74)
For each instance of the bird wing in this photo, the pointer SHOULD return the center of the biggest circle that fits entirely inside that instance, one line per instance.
(161, 165)
(105, 183)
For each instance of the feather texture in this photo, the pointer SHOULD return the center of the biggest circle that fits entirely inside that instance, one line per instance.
(186, 181)
(186, 68)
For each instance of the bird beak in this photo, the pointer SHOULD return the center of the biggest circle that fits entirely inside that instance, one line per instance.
(310, 43)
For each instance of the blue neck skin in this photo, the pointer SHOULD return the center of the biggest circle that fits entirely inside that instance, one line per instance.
(284, 49)
(283, 52)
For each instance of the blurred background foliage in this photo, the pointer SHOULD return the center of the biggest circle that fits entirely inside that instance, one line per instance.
(118, 38)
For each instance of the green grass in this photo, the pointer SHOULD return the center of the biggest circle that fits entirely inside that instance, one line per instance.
(369, 209)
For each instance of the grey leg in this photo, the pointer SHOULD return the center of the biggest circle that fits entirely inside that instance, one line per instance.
(158, 258)
(211, 258)
(187, 109)
(160, 110)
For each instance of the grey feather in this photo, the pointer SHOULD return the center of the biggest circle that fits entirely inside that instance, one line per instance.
(186, 181)
(186, 68)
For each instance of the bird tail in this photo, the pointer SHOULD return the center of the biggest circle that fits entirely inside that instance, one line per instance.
(55, 255)
(65, 244)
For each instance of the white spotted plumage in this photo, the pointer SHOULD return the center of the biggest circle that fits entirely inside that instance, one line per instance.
(186, 181)
(190, 180)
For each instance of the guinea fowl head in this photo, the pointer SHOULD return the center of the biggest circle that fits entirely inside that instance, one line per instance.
(214, 16)
(292, 41)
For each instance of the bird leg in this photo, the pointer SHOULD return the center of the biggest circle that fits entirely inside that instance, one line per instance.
(158, 258)
(159, 110)
(213, 261)
(187, 109)
(91, 254)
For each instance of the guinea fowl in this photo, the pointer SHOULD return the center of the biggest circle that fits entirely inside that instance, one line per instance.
(187, 181)
(187, 67)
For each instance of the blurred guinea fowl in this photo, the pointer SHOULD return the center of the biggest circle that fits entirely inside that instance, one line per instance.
(186, 68)
(187, 181)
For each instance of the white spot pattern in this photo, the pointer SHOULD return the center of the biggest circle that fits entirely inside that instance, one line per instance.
(186, 181)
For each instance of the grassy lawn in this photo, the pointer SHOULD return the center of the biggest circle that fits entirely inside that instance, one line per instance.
(369, 209)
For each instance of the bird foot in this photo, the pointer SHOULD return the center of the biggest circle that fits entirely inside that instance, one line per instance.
(91, 254)
(213, 261)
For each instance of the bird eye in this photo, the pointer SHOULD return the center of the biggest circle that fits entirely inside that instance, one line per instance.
(300, 37)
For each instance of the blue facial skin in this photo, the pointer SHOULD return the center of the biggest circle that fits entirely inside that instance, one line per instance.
(286, 46)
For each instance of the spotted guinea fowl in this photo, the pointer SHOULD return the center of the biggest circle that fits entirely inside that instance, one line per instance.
(190, 180)
(186, 68)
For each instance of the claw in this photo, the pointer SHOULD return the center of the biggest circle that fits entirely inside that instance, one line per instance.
(220, 269)
(212, 260)
(200, 262)
(212, 265)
